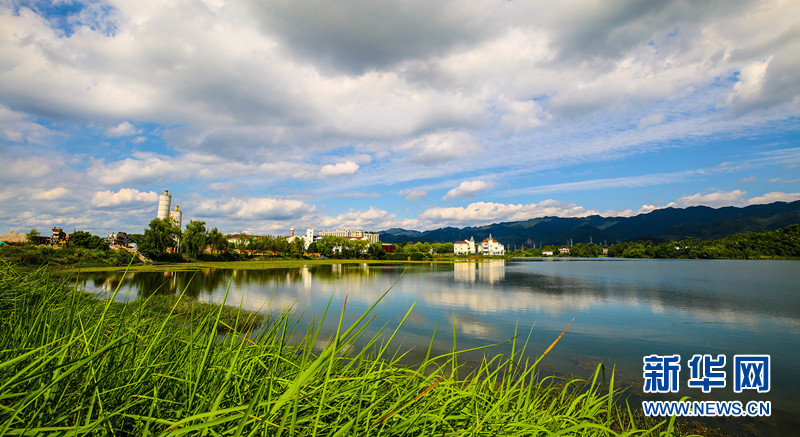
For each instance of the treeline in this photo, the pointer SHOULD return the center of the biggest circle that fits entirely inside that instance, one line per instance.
(769, 244)
(757, 245)
(163, 241)
(30, 255)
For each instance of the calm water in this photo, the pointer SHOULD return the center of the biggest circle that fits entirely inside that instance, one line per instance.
(621, 310)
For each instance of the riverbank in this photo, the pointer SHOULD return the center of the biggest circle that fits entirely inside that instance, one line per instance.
(73, 363)
(248, 265)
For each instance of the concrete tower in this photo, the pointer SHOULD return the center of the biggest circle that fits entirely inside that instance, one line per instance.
(164, 202)
(177, 216)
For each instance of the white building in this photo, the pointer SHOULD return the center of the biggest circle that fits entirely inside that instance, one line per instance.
(491, 247)
(464, 247)
(347, 233)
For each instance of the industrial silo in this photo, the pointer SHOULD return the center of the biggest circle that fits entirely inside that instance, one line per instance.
(176, 216)
(164, 202)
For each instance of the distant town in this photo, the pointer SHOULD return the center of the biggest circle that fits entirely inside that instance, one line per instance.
(195, 240)
(167, 239)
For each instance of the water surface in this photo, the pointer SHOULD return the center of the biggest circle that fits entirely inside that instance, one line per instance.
(618, 311)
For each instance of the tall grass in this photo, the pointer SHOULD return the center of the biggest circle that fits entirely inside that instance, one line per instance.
(71, 364)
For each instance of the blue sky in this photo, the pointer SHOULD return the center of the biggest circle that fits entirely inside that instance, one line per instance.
(261, 116)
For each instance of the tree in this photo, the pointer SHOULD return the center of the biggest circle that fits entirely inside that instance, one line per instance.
(87, 240)
(217, 240)
(376, 251)
(297, 247)
(161, 234)
(32, 235)
(194, 238)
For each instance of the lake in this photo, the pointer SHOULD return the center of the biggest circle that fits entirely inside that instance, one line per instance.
(618, 311)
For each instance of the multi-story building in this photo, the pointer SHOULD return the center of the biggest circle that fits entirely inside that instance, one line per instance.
(464, 247)
(488, 247)
(492, 247)
(347, 233)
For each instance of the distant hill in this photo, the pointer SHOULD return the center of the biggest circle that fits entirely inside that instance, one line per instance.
(699, 222)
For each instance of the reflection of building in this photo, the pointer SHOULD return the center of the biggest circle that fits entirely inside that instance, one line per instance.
(464, 272)
(490, 271)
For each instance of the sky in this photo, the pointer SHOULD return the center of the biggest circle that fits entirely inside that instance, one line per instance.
(260, 116)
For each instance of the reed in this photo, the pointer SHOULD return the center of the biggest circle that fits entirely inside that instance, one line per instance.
(72, 364)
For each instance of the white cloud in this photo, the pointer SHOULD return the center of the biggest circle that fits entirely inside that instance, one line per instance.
(16, 127)
(126, 197)
(751, 82)
(651, 120)
(468, 189)
(54, 194)
(123, 129)
(373, 219)
(247, 94)
(139, 168)
(255, 208)
(523, 115)
(340, 169)
(412, 195)
(16, 170)
(714, 200)
(437, 148)
(774, 196)
(491, 212)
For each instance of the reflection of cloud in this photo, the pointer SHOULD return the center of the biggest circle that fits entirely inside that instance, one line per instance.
(478, 301)
(552, 290)
(473, 327)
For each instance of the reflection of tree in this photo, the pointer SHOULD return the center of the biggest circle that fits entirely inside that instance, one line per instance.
(209, 281)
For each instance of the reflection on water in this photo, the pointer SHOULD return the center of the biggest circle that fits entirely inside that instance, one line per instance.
(622, 309)
(490, 271)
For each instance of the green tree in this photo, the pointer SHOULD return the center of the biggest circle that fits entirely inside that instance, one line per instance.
(296, 248)
(160, 234)
(194, 238)
(32, 235)
(217, 240)
(376, 251)
(87, 240)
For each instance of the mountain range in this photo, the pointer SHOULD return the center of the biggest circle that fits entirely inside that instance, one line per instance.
(666, 224)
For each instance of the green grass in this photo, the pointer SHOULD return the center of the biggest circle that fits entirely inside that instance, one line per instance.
(72, 364)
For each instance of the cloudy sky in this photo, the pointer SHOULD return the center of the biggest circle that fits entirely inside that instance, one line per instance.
(263, 115)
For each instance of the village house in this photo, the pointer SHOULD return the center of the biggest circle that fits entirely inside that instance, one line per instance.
(492, 247)
(464, 247)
